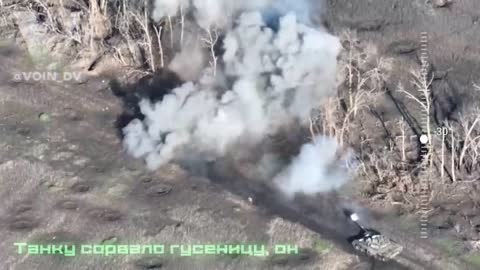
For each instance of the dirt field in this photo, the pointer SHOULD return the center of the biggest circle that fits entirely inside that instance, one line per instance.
(64, 177)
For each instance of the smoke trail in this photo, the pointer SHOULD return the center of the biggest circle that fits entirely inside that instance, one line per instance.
(268, 78)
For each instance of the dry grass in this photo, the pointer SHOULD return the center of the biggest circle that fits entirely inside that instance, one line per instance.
(344, 117)
(464, 146)
(387, 148)
(284, 232)
(121, 29)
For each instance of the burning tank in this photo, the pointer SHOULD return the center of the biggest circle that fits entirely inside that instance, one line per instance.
(372, 242)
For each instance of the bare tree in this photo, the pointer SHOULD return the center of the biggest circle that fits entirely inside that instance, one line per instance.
(182, 22)
(422, 84)
(158, 33)
(469, 142)
(170, 25)
(145, 27)
(210, 41)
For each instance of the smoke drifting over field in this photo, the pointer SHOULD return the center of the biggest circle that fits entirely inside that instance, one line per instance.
(315, 169)
(274, 70)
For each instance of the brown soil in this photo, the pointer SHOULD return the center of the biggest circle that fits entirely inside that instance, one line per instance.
(64, 176)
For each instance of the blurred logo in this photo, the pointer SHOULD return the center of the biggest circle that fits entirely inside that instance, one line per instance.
(59, 76)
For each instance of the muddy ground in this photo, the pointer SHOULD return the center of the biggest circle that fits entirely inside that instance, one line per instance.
(65, 178)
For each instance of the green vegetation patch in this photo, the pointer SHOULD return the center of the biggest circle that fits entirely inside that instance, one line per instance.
(322, 246)
(453, 247)
(474, 259)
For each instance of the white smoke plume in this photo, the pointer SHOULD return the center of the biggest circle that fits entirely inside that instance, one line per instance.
(219, 13)
(267, 80)
(190, 61)
(168, 8)
(317, 168)
(207, 13)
